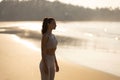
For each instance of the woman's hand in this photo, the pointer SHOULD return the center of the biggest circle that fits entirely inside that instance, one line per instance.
(57, 68)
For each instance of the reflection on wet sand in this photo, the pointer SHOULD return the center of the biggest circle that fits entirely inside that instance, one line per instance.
(63, 40)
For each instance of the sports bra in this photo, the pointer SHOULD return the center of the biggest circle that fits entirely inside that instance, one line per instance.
(52, 41)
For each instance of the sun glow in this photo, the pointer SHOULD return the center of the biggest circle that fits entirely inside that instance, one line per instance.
(93, 3)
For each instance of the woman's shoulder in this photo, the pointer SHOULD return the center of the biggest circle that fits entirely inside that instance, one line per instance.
(45, 35)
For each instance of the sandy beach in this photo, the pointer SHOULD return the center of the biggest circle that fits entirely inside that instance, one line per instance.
(20, 62)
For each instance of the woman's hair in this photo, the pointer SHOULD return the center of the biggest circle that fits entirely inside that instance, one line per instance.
(45, 24)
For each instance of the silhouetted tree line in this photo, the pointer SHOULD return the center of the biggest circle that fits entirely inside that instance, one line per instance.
(38, 9)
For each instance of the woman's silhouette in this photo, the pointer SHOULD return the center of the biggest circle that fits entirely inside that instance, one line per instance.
(48, 64)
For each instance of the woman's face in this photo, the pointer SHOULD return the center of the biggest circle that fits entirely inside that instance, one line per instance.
(52, 25)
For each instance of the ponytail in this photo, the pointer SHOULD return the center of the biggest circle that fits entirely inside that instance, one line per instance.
(44, 26)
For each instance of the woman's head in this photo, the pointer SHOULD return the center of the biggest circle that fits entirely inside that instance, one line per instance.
(48, 23)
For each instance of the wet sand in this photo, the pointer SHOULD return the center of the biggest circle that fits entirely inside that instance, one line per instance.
(20, 62)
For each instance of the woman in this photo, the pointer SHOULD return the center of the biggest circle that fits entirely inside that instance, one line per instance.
(48, 64)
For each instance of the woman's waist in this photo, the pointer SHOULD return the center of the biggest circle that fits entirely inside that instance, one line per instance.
(51, 51)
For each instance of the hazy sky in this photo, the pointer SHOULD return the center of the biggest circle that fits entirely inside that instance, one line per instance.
(93, 3)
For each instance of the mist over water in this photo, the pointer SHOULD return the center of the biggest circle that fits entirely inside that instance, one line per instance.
(97, 35)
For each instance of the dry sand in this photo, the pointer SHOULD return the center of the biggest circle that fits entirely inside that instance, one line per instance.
(19, 62)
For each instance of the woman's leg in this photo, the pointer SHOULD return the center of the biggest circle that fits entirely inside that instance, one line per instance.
(43, 75)
(52, 73)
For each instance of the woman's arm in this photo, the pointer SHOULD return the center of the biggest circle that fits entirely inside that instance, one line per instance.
(56, 64)
(44, 49)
